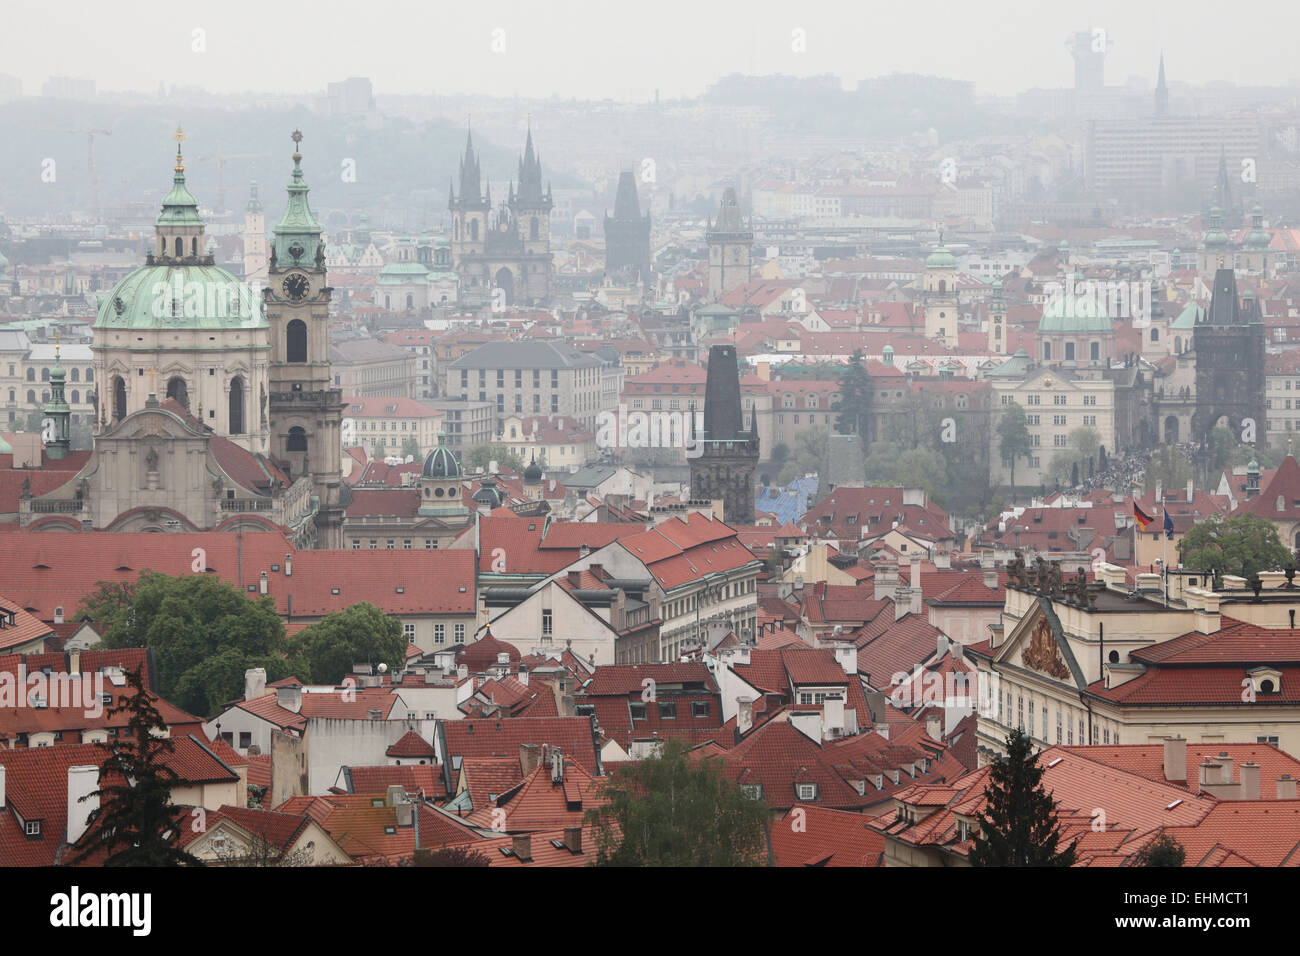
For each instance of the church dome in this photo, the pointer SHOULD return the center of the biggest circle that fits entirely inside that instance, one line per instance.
(489, 494)
(941, 258)
(177, 296)
(441, 462)
(533, 473)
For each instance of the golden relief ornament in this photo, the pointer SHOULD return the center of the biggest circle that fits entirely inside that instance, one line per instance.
(1042, 654)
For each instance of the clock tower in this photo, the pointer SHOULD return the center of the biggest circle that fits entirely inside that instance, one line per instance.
(305, 408)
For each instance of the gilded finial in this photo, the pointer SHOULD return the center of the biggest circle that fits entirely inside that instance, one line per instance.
(179, 136)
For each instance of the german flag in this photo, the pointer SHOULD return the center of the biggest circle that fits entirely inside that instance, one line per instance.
(1141, 517)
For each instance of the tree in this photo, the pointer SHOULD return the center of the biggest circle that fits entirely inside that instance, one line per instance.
(1019, 826)
(480, 457)
(329, 647)
(204, 634)
(451, 856)
(1164, 850)
(1244, 545)
(1085, 440)
(807, 456)
(676, 810)
(1167, 467)
(136, 822)
(854, 402)
(411, 448)
(1013, 438)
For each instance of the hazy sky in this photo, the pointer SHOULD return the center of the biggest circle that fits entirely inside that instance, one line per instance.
(625, 50)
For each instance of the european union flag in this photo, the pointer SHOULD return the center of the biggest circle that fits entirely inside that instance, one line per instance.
(1169, 526)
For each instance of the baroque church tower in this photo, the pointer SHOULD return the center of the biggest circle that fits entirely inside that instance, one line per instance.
(305, 409)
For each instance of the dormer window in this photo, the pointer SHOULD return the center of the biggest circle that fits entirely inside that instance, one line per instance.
(1265, 680)
(32, 828)
(807, 791)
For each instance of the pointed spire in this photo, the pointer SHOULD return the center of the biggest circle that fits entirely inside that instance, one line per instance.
(1162, 91)
(298, 234)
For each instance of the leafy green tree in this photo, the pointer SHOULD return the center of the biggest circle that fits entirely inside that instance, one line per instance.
(451, 856)
(1169, 467)
(1019, 826)
(807, 456)
(136, 821)
(1085, 440)
(331, 646)
(1013, 438)
(480, 457)
(411, 448)
(675, 810)
(1164, 850)
(204, 634)
(854, 402)
(1244, 545)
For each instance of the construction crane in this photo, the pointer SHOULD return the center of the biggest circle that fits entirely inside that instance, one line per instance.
(221, 160)
(90, 135)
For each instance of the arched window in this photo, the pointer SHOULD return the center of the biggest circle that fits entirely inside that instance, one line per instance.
(237, 406)
(410, 303)
(457, 227)
(180, 247)
(295, 344)
(90, 375)
(76, 374)
(194, 246)
(119, 398)
(45, 375)
(1069, 351)
(532, 228)
(297, 439)
(943, 285)
(76, 397)
(177, 389)
(1047, 350)
(31, 396)
(1094, 350)
(473, 230)
(31, 375)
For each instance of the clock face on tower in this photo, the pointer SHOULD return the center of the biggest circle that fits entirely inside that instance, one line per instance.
(295, 286)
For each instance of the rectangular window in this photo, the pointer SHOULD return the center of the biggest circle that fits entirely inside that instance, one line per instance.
(409, 631)
(1020, 709)
(460, 633)
(667, 710)
(440, 633)
(547, 623)
(245, 739)
(700, 709)
(637, 709)
(1058, 726)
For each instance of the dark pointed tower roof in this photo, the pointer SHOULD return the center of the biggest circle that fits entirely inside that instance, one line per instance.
(1226, 308)
(723, 415)
(530, 173)
(1162, 91)
(626, 205)
(471, 184)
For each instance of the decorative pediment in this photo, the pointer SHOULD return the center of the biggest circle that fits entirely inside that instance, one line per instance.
(1042, 653)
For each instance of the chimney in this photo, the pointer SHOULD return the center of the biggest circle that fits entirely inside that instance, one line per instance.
(2, 786)
(462, 671)
(290, 698)
(1176, 759)
(933, 728)
(991, 580)
(74, 662)
(557, 767)
(288, 565)
(846, 655)
(574, 578)
(82, 782)
(833, 717)
(254, 682)
(1225, 775)
(1285, 787)
(1209, 773)
(573, 839)
(58, 615)
(745, 714)
(1189, 489)
(523, 847)
(1250, 781)
(882, 728)
(914, 573)
(940, 646)
(262, 583)
(529, 758)
(958, 650)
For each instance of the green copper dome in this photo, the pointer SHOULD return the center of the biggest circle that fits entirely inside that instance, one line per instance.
(1074, 307)
(941, 258)
(180, 297)
(179, 207)
(441, 462)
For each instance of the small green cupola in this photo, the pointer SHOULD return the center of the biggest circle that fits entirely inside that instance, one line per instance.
(440, 483)
(297, 239)
(179, 227)
(56, 429)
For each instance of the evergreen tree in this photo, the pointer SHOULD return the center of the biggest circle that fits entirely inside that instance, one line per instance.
(1164, 850)
(1018, 827)
(853, 403)
(136, 821)
(1013, 438)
